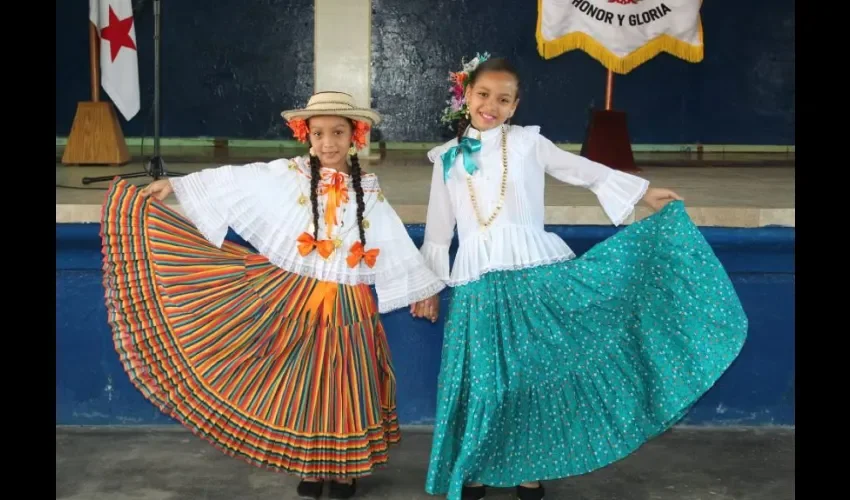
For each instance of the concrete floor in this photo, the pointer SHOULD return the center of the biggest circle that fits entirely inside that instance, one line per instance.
(171, 464)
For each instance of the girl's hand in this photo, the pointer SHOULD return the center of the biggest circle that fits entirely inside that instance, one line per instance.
(428, 308)
(160, 189)
(657, 198)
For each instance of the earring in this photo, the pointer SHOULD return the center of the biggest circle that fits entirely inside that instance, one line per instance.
(352, 151)
(312, 153)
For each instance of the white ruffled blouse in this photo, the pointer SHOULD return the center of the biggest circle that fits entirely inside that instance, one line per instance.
(516, 239)
(268, 205)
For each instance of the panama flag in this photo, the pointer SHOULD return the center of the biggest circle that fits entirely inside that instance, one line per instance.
(119, 64)
(621, 34)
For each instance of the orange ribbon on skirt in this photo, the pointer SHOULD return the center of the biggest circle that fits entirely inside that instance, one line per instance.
(322, 301)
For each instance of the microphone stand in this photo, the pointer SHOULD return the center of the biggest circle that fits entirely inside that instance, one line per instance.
(156, 165)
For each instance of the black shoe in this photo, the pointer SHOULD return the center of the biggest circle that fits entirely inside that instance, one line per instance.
(342, 490)
(310, 489)
(473, 492)
(523, 493)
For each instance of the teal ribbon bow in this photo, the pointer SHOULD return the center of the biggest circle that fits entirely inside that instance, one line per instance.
(467, 146)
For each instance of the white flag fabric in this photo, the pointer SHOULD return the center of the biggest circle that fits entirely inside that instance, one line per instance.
(119, 63)
(620, 34)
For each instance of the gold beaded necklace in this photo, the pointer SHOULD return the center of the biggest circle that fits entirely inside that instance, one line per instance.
(503, 189)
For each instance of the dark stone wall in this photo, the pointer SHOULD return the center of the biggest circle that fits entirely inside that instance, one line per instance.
(229, 70)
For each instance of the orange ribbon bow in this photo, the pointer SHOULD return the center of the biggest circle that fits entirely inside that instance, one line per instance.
(357, 253)
(306, 244)
(333, 185)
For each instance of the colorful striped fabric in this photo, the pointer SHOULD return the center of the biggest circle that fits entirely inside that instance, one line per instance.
(284, 371)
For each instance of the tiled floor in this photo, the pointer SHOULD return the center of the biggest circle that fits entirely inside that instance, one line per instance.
(172, 464)
(751, 195)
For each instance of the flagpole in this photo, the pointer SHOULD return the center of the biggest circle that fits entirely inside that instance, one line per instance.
(609, 91)
(93, 59)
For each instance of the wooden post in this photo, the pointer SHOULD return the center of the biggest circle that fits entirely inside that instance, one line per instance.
(607, 139)
(96, 137)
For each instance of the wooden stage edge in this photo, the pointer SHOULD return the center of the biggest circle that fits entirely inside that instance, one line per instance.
(715, 195)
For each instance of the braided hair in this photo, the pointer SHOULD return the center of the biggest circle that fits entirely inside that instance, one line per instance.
(315, 173)
(356, 174)
(494, 64)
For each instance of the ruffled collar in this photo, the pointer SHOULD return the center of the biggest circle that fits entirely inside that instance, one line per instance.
(485, 135)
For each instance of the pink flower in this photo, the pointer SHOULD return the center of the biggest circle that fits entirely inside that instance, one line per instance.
(457, 90)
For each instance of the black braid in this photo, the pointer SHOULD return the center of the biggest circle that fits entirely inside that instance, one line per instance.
(356, 173)
(461, 127)
(315, 173)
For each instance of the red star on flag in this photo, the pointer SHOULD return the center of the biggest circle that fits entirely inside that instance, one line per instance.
(117, 33)
(119, 76)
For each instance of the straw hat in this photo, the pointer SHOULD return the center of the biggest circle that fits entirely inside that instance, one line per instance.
(336, 104)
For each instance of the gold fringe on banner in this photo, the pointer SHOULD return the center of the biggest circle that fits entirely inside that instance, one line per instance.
(549, 49)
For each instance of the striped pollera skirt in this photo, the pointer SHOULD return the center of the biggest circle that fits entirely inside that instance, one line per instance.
(286, 372)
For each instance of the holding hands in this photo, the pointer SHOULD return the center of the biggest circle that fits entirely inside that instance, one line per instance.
(428, 308)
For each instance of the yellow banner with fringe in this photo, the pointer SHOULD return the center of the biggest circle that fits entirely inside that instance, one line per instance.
(620, 34)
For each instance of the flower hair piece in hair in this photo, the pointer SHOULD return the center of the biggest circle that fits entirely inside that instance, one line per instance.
(361, 132)
(300, 131)
(456, 108)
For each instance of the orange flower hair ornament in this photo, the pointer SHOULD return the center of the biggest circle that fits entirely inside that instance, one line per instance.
(300, 131)
(361, 131)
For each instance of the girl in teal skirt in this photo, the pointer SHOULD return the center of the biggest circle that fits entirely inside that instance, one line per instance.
(552, 365)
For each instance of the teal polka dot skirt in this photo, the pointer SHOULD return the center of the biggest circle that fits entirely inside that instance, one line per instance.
(559, 370)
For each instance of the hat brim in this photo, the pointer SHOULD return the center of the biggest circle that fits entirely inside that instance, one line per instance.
(357, 114)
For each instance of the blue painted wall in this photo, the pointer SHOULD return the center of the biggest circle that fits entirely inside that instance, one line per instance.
(92, 389)
(228, 71)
